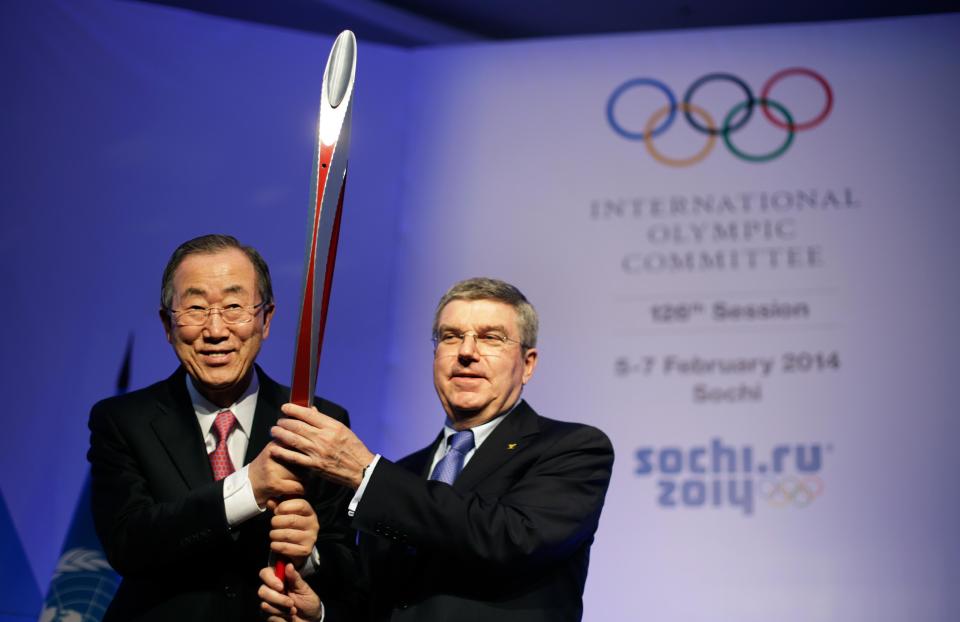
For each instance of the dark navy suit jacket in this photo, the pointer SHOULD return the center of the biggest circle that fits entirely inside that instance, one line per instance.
(509, 541)
(160, 514)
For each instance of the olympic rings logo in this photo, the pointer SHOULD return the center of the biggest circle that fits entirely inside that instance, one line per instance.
(795, 491)
(736, 118)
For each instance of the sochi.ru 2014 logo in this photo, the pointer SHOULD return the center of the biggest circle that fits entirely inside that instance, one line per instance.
(717, 475)
(700, 120)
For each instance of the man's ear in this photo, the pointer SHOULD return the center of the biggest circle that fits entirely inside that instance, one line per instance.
(267, 318)
(529, 364)
(167, 324)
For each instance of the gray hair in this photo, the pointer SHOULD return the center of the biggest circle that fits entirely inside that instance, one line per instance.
(483, 288)
(209, 244)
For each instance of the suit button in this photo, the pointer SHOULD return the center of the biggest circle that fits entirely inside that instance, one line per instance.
(229, 591)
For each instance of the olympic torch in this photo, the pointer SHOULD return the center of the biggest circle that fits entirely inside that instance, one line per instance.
(329, 178)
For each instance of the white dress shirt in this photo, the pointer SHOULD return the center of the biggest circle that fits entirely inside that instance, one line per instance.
(238, 498)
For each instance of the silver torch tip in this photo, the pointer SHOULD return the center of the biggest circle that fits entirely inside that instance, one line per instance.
(340, 66)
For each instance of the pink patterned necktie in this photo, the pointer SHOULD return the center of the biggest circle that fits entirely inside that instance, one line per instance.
(220, 457)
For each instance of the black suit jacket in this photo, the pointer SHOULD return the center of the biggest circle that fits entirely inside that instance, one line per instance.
(510, 540)
(160, 515)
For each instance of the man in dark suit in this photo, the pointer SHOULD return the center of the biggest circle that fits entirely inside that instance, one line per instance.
(493, 520)
(183, 470)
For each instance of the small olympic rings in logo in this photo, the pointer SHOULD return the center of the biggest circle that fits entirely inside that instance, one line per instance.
(700, 120)
(796, 491)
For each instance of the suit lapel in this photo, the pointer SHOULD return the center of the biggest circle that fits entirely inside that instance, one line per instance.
(269, 399)
(419, 462)
(175, 424)
(506, 441)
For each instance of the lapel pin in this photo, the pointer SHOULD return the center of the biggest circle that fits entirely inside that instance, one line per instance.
(511, 445)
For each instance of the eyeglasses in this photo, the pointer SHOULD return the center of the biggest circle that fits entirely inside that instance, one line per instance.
(231, 314)
(488, 343)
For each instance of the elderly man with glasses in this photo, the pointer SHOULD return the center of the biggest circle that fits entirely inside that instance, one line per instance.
(491, 521)
(183, 471)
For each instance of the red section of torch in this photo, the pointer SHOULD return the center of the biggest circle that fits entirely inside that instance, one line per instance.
(331, 261)
(300, 392)
(300, 386)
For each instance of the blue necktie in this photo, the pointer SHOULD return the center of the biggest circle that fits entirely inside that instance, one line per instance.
(452, 463)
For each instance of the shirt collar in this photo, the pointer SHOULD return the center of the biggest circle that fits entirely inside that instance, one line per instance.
(480, 432)
(243, 409)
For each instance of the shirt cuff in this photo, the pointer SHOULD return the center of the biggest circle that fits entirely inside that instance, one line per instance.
(238, 498)
(311, 564)
(367, 472)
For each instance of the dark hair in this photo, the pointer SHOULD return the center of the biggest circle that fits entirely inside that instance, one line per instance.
(483, 288)
(209, 244)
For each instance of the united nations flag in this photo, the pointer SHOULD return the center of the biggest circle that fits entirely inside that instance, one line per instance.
(84, 583)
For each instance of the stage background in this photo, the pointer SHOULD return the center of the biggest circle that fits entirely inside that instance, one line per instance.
(768, 344)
